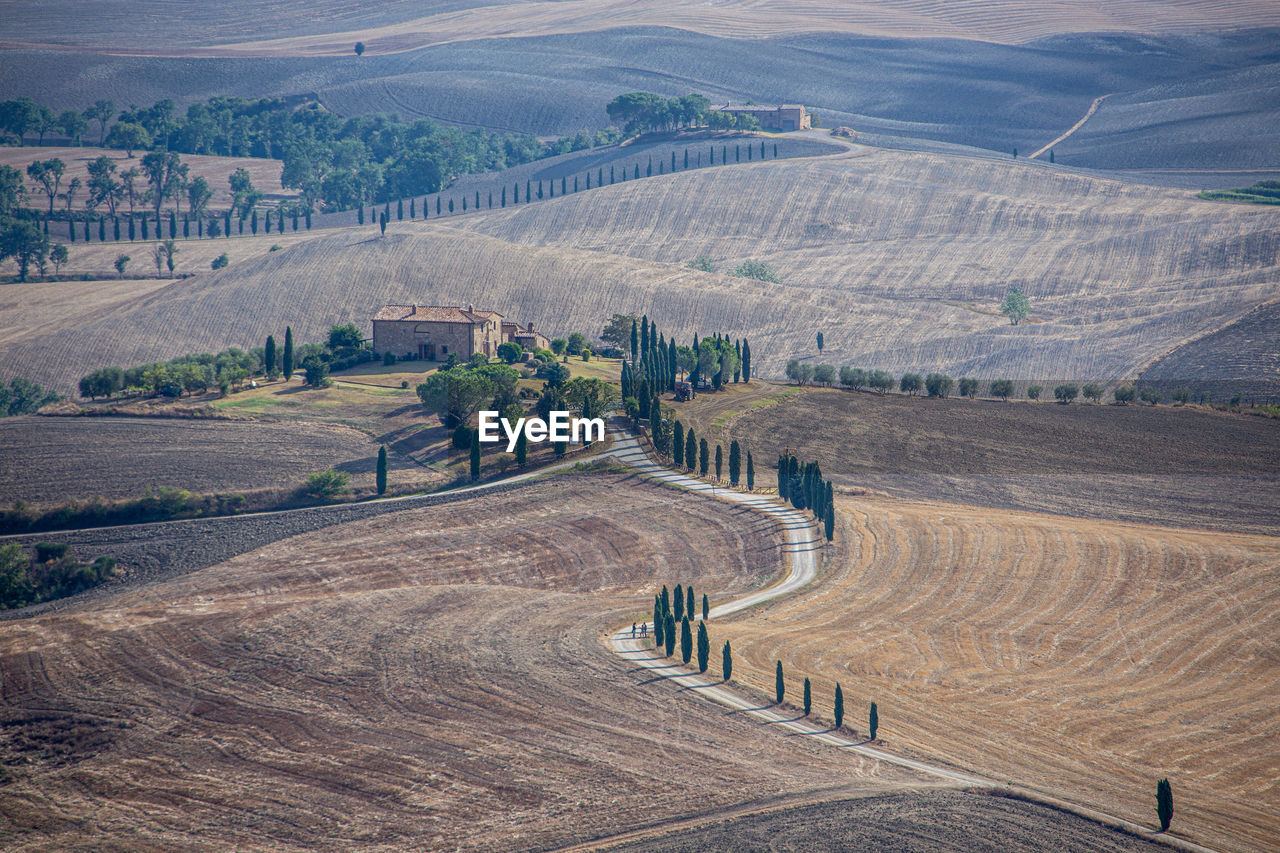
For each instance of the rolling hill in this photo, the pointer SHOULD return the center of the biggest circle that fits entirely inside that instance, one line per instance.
(900, 258)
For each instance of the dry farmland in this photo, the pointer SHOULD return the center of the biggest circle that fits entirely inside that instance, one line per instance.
(908, 278)
(272, 29)
(1083, 658)
(430, 678)
(1180, 466)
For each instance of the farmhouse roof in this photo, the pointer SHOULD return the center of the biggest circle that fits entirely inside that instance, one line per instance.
(434, 314)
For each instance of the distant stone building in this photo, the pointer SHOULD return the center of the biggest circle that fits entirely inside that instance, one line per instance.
(434, 332)
(786, 117)
(525, 337)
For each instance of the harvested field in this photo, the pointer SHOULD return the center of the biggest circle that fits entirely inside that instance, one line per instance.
(930, 822)
(1178, 466)
(1240, 358)
(432, 678)
(264, 173)
(268, 28)
(33, 308)
(909, 278)
(1088, 659)
(48, 461)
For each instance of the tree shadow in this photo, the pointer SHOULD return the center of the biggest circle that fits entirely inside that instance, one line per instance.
(825, 731)
(788, 720)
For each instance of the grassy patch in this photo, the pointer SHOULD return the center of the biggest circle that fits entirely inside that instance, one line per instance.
(1263, 192)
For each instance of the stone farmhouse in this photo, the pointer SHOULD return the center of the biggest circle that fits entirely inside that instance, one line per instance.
(787, 117)
(434, 332)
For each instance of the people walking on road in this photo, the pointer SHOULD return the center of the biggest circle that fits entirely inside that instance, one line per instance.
(633, 629)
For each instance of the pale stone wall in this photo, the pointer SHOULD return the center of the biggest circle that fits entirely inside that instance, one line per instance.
(438, 340)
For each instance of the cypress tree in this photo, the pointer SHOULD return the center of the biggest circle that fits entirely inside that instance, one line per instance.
(563, 186)
(399, 209)
(102, 229)
(286, 362)
(688, 604)
(146, 233)
(726, 661)
(671, 634)
(666, 599)
(678, 603)
(704, 460)
(735, 462)
(677, 444)
(839, 706)
(86, 230)
(808, 698)
(522, 449)
(746, 360)
(438, 205)
(873, 722)
(115, 228)
(186, 227)
(253, 221)
(309, 219)
(600, 176)
(475, 454)
(226, 225)
(635, 342)
(413, 209)
(659, 624)
(360, 214)
(269, 355)
(719, 461)
(690, 449)
(268, 221)
(686, 641)
(704, 647)
(706, 607)
(491, 199)
(783, 477)
(672, 365)
(1164, 804)
(829, 522)
(382, 470)
(751, 473)
(779, 689)
(71, 228)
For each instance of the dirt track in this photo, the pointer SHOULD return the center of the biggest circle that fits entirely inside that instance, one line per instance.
(430, 678)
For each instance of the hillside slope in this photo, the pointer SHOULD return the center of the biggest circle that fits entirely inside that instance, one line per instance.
(901, 259)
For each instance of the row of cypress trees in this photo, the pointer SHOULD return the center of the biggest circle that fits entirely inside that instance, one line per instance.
(140, 227)
(804, 486)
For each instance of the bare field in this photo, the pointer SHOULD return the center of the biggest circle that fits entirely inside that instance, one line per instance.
(902, 261)
(273, 29)
(264, 173)
(432, 678)
(1082, 659)
(1177, 466)
(35, 308)
(923, 822)
(55, 460)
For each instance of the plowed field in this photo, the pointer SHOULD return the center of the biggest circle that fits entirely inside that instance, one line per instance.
(428, 679)
(1084, 658)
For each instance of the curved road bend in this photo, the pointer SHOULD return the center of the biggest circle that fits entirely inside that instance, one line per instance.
(802, 542)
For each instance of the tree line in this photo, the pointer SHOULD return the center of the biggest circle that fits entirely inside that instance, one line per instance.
(673, 617)
(941, 385)
(638, 112)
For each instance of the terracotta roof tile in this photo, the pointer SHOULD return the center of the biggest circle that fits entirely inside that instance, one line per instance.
(433, 314)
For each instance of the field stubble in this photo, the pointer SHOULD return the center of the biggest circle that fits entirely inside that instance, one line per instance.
(1085, 659)
(432, 677)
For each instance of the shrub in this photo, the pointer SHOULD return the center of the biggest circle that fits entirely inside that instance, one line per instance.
(702, 263)
(462, 437)
(967, 387)
(220, 261)
(1092, 391)
(510, 352)
(586, 354)
(853, 377)
(1125, 394)
(316, 370)
(326, 484)
(1002, 388)
(558, 345)
(1065, 393)
(404, 383)
(937, 384)
(388, 358)
(1033, 392)
(758, 270)
(824, 374)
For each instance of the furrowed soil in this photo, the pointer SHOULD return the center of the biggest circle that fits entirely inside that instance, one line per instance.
(431, 678)
(1181, 466)
(48, 461)
(917, 822)
(909, 278)
(1083, 658)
